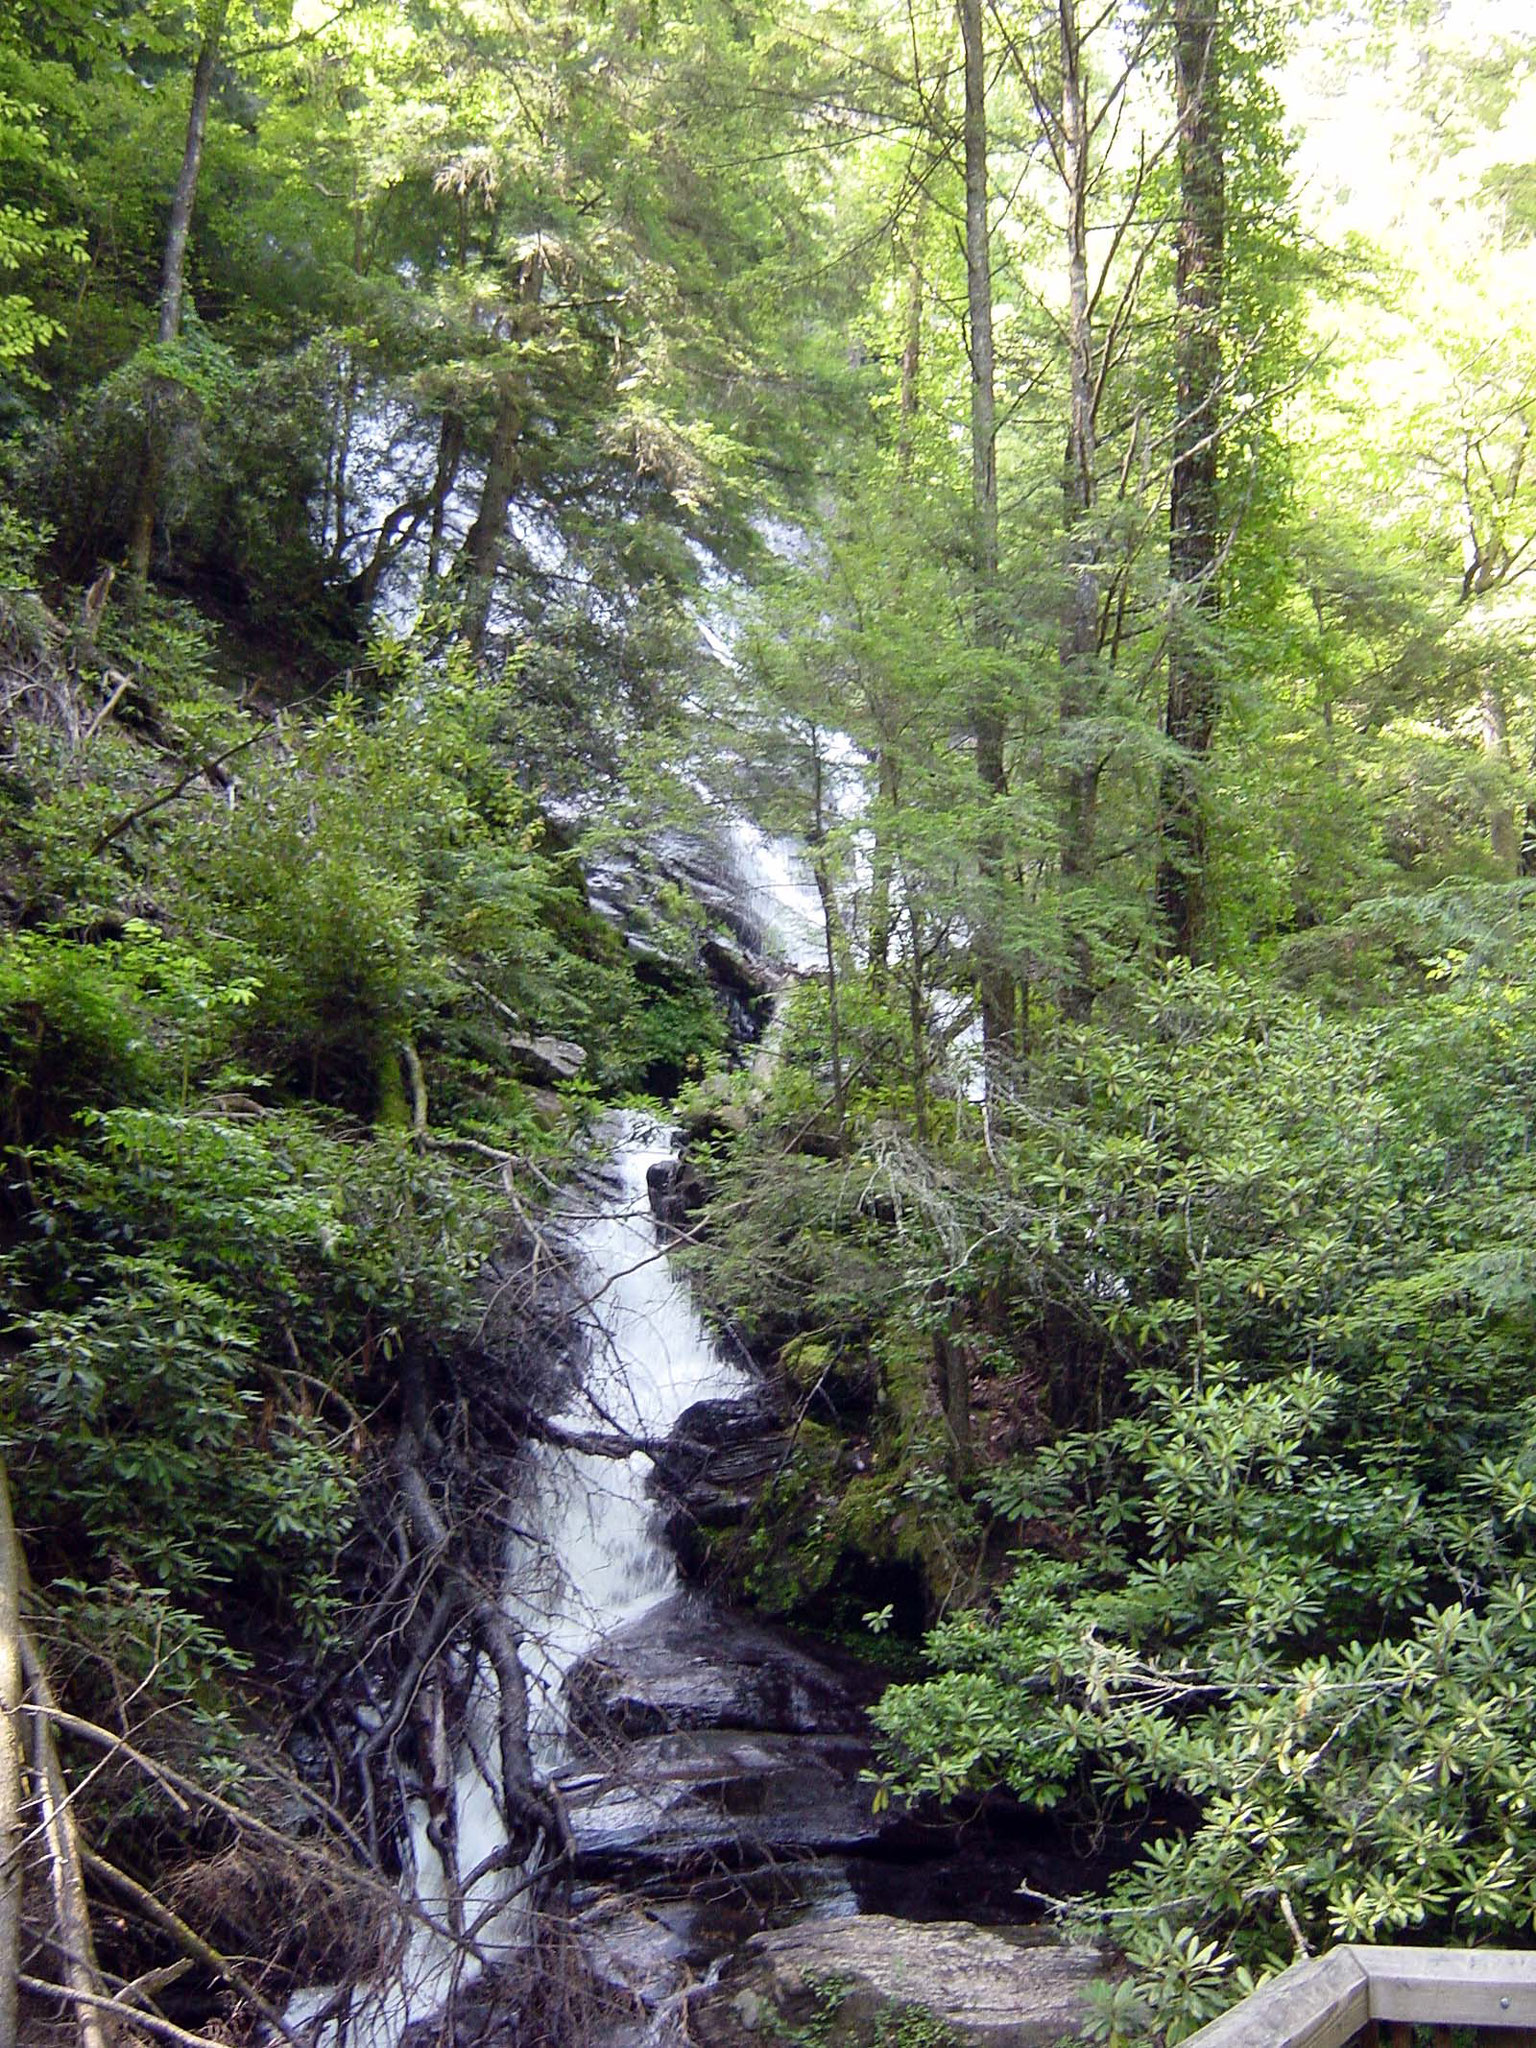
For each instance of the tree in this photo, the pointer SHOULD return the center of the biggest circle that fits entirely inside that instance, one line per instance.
(999, 990)
(160, 393)
(1194, 511)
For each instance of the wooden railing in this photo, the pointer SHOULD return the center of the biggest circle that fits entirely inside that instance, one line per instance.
(1327, 2001)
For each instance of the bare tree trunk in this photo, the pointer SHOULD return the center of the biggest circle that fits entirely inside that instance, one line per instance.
(998, 995)
(450, 452)
(1504, 821)
(882, 862)
(482, 544)
(911, 348)
(827, 894)
(1194, 509)
(882, 866)
(1080, 621)
(173, 276)
(79, 1972)
(11, 1828)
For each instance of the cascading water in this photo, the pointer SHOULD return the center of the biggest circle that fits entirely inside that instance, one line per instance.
(603, 1559)
(591, 1557)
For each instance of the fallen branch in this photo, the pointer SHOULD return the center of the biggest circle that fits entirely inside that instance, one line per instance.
(163, 797)
(98, 2002)
(190, 1942)
(71, 1908)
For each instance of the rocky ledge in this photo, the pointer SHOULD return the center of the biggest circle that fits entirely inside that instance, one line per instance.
(712, 1470)
(856, 1978)
(702, 1740)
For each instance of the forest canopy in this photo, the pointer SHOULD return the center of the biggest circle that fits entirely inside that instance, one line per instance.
(1065, 469)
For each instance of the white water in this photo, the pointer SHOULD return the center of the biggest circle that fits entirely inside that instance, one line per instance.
(779, 890)
(592, 1558)
(603, 1560)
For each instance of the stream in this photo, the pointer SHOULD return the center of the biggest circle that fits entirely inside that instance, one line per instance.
(591, 1556)
(709, 1766)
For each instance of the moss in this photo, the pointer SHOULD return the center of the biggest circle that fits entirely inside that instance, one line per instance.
(390, 1110)
(806, 1361)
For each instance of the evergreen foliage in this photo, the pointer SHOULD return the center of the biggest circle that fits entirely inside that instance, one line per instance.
(1057, 476)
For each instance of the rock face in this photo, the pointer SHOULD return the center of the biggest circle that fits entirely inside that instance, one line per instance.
(631, 892)
(544, 1061)
(676, 1191)
(691, 1664)
(988, 1987)
(716, 1799)
(713, 1467)
(702, 1741)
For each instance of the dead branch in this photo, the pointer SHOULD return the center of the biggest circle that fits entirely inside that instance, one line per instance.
(189, 1941)
(11, 1828)
(71, 1908)
(94, 2003)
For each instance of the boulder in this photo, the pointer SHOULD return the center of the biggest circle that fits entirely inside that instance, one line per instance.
(721, 1447)
(718, 1799)
(854, 1977)
(689, 1663)
(702, 1741)
(712, 1470)
(544, 1061)
(676, 1191)
(635, 1960)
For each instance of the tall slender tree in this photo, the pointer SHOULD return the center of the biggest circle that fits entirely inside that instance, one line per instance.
(1080, 612)
(212, 18)
(999, 994)
(1194, 542)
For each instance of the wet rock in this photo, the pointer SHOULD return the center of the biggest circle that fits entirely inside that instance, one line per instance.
(633, 1956)
(726, 944)
(676, 1191)
(722, 1446)
(690, 1664)
(713, 1110)
(704, 1742)
(544, 1061)
(988, 1987)
(712, 1470)
(715, 1799)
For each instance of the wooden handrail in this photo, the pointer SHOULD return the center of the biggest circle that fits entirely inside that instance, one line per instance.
(1323, 2002)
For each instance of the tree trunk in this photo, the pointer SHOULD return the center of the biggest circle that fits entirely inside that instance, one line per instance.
(1504, 821)
(998, 996)
(1080, 619)
(173, 277)
(482, 544)
(1194, 511)
(79, 1972)
(881, 869)
(882, 862)
(828, 896)
(952, 1382)
(11, 1828)
(450, 452)
(911, 348)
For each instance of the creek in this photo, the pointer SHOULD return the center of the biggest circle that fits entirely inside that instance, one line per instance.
(709, 1766)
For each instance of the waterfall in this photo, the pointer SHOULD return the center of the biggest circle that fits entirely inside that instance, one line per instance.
(779, 891)
(603, 1560)
(590, 1555)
